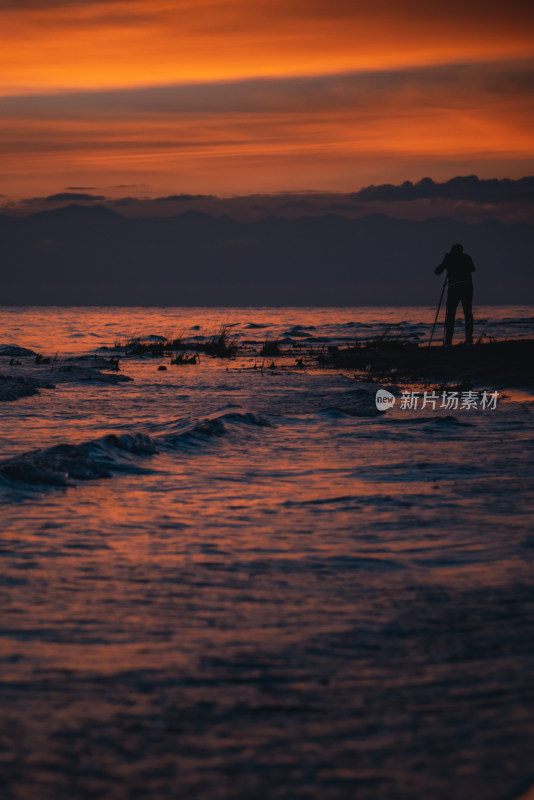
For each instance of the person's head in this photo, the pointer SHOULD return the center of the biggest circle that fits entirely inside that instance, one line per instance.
(457, 248)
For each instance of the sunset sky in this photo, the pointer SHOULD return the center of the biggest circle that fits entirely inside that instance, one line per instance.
(148, 97)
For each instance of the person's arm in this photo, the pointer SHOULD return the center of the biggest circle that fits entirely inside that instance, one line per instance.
(471, 265)
(440, 269)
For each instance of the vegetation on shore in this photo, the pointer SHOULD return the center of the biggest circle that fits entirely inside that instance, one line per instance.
(220, 345)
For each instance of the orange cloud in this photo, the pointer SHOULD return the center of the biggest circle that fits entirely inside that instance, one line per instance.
(344, 92)
(255, 150)
(143, 42)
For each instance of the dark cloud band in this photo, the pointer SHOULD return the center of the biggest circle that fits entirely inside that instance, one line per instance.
(469, 188)
(292, 94)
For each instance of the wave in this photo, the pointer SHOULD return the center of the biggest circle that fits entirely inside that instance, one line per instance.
(448, 421)
(184, 432)
(66, 464)
(15, 387)
(361, 403)
(63, 464)
(428, 422)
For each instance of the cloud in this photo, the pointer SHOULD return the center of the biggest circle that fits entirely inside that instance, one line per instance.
(68, 197)
(464, 197)
(182, 197)
(440, 85)
(454, 11)
(337, 9)
(54, 43)
(43, 5)
(265, 134)
(469, 188)
(468, 198)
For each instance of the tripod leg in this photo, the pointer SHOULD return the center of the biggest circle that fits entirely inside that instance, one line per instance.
(437, 313)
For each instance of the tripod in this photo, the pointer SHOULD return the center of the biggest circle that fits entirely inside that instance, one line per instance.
(437, 312)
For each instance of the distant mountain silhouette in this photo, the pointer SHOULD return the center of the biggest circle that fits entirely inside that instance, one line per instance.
(78, 255)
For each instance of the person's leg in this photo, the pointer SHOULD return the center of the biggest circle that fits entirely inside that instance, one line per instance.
(452, 304)
(467, 305)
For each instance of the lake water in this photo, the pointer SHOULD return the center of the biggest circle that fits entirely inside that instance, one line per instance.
(270, 590)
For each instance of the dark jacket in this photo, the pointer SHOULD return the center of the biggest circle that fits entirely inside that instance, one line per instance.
(459, 267)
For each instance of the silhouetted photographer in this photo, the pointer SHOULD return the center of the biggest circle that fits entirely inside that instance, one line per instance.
(459, 268)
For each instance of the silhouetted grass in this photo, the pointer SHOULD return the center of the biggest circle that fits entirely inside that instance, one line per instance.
(220, 345)
(270, 348)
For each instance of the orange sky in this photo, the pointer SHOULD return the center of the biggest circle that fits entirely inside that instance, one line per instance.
(223, 96)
